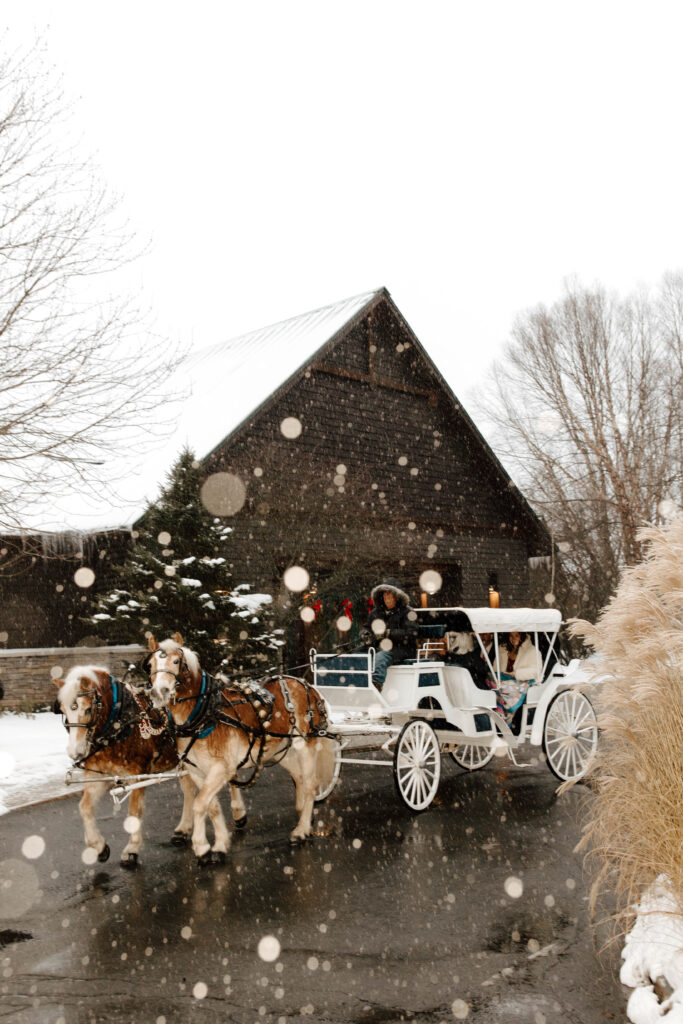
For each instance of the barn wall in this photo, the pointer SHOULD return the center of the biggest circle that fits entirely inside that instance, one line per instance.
(40, 602)
(26, 675)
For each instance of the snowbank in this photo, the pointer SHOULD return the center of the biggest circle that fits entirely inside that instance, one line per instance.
(654, 950)
(33, 759)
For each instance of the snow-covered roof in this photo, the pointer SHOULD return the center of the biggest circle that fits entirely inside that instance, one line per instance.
(217, 388)
(502, 620)
(232, 379)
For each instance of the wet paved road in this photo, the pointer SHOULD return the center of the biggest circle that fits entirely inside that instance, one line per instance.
(385, 917)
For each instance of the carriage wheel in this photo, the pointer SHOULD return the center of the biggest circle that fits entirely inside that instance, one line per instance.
(417, 764)
(472, 756)
(323, 792)
(570, 734)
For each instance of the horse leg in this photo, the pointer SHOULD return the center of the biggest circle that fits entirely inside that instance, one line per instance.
(300, 762)
(183, 829)
(92, 794)
(238, 807)
(129, 857)
(221, 836)
(216, 778)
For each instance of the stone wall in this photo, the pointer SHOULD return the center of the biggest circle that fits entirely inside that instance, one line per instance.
(27, 675)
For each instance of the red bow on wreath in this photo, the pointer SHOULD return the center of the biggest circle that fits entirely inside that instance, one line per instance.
(370, 604)
(347, 608)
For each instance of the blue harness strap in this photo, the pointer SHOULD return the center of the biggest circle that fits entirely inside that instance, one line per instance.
(115, 704)
(116, 711)
(199, 707)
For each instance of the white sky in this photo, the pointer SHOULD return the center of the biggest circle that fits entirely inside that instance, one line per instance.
(285, 155)
(281, 156)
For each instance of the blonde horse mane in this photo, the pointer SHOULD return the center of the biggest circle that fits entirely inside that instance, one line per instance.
(191, 658)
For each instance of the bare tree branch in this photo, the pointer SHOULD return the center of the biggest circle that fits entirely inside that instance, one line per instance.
(81, 372)
(588, 416)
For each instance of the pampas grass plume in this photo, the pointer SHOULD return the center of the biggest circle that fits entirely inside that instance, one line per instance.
(634, 831)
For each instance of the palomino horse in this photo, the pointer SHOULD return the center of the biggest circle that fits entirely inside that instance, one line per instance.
(115, 731)
(222, 728)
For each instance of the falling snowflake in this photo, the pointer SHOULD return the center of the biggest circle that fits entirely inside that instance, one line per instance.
(33, 847)
(296, 578)
(291, 427)
(514, 887)
(431, 581)
(84, 577)
(269, 948)
(223, 494)
(460, 1009)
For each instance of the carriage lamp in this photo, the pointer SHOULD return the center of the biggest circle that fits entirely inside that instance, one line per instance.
(423, 600)
(494, 598)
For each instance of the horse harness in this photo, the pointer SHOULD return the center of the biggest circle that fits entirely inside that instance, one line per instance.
(218, 702)
(127, 710)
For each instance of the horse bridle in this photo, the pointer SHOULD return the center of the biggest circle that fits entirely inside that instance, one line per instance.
(146, 668)
(92, 721)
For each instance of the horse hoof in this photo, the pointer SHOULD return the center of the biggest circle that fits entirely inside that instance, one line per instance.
(240, 822)
(129, 861)
(103, 854)
(205, 860)
(179, 839)
(219, 857)
(296, 841)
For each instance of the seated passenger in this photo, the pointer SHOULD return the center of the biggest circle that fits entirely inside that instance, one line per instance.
(394, 631)
(464, 650)
(518, 662)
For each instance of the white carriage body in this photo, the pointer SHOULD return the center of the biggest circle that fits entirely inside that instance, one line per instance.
(355, 698)
(462, 716)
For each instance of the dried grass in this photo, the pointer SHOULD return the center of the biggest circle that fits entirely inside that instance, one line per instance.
(634, 830)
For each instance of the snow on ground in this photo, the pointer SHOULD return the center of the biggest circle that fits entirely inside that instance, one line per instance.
(654, 950)
(33, 758)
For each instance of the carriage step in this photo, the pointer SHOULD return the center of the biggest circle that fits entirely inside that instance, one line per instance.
(518, 764)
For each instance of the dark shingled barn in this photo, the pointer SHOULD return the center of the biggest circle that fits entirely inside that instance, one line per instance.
(353, 459)
(363, 463)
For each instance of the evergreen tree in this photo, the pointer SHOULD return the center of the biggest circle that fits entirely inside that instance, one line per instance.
(176, 577)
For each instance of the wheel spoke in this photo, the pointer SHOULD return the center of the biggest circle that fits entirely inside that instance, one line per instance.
(570, 734)
(472, 756)
(417, 764)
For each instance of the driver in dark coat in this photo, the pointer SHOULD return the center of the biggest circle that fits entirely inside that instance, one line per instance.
(393, 612)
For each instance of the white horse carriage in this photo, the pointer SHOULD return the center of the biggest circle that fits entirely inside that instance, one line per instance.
(429, 707)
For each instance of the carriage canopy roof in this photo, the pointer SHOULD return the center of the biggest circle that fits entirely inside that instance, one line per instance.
(494, 620)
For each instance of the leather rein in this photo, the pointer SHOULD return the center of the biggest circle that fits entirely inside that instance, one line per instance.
(218, 702)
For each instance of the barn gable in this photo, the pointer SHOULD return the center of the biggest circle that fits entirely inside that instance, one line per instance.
(388, 473)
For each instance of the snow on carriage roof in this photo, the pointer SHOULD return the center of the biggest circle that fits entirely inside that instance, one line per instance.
(218, 387)
(497, 620)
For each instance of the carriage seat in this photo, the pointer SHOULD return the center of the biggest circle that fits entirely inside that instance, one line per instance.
(461, 689)
(432, 642)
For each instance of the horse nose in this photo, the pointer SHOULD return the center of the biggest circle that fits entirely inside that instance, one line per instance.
(161, 694)
(76, 748)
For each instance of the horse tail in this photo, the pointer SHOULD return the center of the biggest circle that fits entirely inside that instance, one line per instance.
(325, 762)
